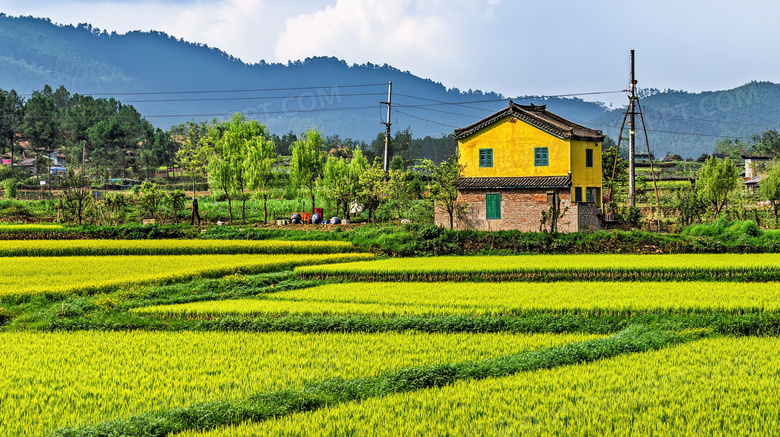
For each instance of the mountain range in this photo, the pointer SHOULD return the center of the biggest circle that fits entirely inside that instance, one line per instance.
(171, 81)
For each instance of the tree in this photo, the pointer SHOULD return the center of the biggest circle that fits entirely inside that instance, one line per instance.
(307, 165)
(260, 167)
(193, 156)
(730, 148)
(770, 189)
(395, 190)
(443, 186)
(336, 184)
(767, 143)
(231, 167)
(11, 117)
(76, 196)
(717, 178)
(689, 205)
(372, 191)
(150, 200)
(40, 127)
(611, 162)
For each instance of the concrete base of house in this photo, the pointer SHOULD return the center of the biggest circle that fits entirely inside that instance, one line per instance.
(520, 210)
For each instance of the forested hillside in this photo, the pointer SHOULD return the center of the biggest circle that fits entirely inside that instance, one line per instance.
(172, 81)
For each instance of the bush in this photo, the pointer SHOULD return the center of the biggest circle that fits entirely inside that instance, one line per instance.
(11, 188)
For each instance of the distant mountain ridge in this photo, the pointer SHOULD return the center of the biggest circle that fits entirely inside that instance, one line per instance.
(171, 81)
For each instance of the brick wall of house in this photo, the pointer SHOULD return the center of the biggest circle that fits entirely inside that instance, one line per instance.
(520, 209)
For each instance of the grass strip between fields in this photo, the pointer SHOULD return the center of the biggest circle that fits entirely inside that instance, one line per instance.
(264, 406)
(725, 324)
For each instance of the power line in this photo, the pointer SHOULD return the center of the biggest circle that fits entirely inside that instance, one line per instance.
(264, 112)
(425, 119)
(667, 132)
(223, 91)
(437, 110)
(249, 98)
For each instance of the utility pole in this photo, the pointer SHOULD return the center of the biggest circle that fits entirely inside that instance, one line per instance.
(387, 125)
(631, 135)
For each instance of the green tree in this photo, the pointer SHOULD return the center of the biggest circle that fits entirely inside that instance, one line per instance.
(307, 163)
(230, 166)
(335, 183)
(11, 118)
(175, 201)
(341, 180)
(261, 167)
(76, 196)
(767, 143)
(193, 157)
(371, 191)
(396, 192)
(770, 189)
(717, 178)
(150, 200)
(730, 148)
(443, 186)
(611, 162)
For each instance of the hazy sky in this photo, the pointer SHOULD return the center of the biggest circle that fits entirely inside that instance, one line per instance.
(512, 47)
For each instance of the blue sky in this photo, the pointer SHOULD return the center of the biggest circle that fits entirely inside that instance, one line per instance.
(511, 47)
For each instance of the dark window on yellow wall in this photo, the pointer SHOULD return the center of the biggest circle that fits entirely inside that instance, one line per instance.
(588, 157)
(593, 194)
(486, 157)
(540, 157)
(578, 194)
(589, 195)
(493, 206)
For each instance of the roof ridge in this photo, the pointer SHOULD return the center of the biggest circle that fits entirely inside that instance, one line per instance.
(539, 117)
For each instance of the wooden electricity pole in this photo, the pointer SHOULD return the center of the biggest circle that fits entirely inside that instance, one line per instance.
(387, 126)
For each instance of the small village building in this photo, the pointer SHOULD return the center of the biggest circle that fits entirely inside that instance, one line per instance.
(520, 161)
(754, 165)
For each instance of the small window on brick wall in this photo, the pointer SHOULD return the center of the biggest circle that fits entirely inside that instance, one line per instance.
(493, 206)
(486, 157)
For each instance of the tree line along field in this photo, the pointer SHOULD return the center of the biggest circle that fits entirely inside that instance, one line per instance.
(233, 337)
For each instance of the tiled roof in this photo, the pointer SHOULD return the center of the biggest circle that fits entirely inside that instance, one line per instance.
(539, 117)
(507, 183)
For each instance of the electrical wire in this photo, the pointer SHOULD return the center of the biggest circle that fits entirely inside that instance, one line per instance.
(247, 98)
(225, 91)
(425, 119)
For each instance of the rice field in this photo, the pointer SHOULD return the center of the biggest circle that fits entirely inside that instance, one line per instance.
(495, 299)
(167, 247)
(539, 267)
(54, 380)
(699, 382)
(721, 386)
(81, 275)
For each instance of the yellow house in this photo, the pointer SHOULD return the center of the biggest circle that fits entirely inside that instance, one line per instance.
(521, 161)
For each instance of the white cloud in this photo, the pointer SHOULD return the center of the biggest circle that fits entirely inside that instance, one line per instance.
(244, 28)
(426, 37)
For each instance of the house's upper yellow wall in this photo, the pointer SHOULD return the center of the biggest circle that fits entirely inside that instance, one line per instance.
(513, 142)
(581, 175)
